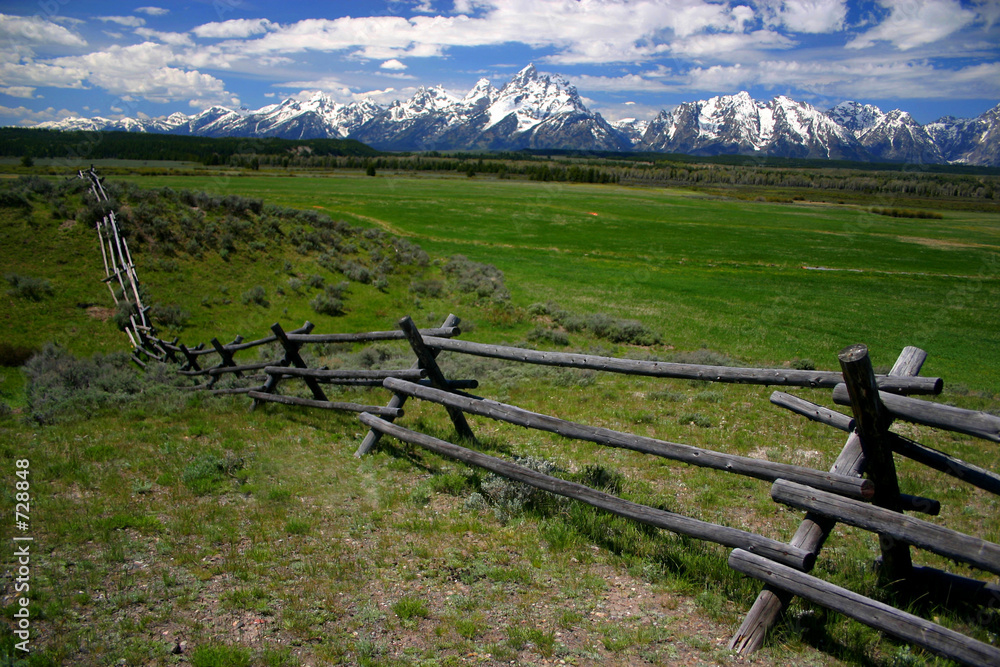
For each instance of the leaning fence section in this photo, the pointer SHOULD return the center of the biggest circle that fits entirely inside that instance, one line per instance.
(860, 489)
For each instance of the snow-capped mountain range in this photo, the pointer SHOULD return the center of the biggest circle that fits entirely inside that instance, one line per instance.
(535, 110)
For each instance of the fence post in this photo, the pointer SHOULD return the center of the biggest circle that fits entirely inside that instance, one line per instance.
(438, 380)
(813, 530)
(292, 358)
(872, 422)
(397, 400)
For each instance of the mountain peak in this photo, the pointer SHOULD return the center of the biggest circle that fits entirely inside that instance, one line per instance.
(540, 110)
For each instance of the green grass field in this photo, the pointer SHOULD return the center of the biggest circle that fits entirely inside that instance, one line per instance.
(706, 272)
(166, 521)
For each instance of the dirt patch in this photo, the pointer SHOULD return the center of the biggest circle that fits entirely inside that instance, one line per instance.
(101, 313)
(941, 243)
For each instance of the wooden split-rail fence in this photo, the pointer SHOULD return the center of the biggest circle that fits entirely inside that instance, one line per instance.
(860, 489)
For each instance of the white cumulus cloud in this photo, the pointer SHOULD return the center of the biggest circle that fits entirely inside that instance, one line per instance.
(917, 23)
(808, 16)
(234, 29)
(34, 30)
(127, 21)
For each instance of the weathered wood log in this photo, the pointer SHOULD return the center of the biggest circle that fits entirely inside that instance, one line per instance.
(949, 465)
(823, 415)
(372, 437)
(234, 390)
(395, 413)
(236, 346)
(810, 535)
(917, 532)
(920, 504)
(347, 374)
(434, 374)
(970, 422)
(677, 523)
(878, 615)
(222, 370)
(226, 356)
(950, 588)
(191, 357)
(810, 410)
(371, 336)
(291, 358)
(840, 421)
(909, 362)
(764, 376)
(741, 465)
(872, 423)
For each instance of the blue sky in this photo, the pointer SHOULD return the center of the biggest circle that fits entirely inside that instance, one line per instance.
(627, 58)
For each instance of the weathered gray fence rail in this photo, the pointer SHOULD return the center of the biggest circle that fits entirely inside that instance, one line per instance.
(944, 541)
(664, 369)
(932, 458)
(970, 422)
(851, 486)
(677, 523)
(890, 620)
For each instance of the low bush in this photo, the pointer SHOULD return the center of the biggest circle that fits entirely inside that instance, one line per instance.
(355, 271)
(430, 288)
(551, 336)
(170, 315)
(481, 280)
(906, 213)
(331, 300)
(255, 295)
(61, 386)
(28, 287)
(601, 325)
(509, 498)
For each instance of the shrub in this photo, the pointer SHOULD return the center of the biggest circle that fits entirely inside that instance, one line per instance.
(257, 295)
(60, 385)
(355, 271)
(331, 300)
(431, 288)
(601, 325)
(481, 280)
(170, 315)
(543, 335)
(28, 287)
(123, 314)
(510, 498)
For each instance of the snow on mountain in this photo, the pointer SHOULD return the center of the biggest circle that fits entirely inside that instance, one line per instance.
(532, 98)
(856, 117)
(631, 128)
(535, 110)
(739, 124)
(892, 136)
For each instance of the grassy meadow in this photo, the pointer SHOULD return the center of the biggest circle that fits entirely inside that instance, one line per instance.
(173, 527)
(764, 282)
